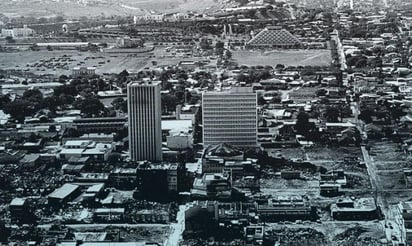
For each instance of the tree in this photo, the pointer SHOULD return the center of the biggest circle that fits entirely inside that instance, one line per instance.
(169, 103)
(228, 54)
(332, 114)
(52, 128)
(120, 104)
(19, 109)
(66, 90)
(90, 106)
(302, 123)
(114, 158)
(204, 44)
(261, 100)
(4, 99)
(219, 45)
(120, 134)
(280, 67)
(71, 133)
(63, 78)
(52, 103)
(33, 95)
(123, 75)
(4, 233)
(366, 115)
(10, 40)
(321, 92)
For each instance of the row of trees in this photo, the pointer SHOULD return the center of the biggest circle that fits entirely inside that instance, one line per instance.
(33, 102)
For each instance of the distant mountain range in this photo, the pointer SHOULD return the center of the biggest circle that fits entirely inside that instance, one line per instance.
(78, 8)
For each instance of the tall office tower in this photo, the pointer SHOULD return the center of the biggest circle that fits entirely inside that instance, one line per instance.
(145, 130)
(230, 117)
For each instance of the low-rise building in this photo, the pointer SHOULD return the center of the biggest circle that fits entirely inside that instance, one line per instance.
(98, 152)
(180, 141)
(360, 209)
(406, 212)
(17, 32)
(64, 194)
(99, 125)
(167, 178)
(83, 71)
(19, 210)
(124, 178)
(212, 185)
(109, 214)
(286, 208)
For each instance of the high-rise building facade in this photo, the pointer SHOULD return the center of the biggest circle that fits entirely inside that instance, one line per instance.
(230, 117)
(145, 130)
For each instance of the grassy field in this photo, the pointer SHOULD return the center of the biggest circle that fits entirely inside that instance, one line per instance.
(286, 57)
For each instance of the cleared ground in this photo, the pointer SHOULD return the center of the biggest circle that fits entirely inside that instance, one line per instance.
(104, 62)
(390, 161)
(286, 57)
(332, 154)
(46, 62)
(279, 183)
(330, 233)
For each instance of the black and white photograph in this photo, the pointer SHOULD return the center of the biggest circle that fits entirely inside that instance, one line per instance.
(206, 122)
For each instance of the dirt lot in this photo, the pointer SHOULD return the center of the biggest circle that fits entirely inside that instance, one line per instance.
(286, 57)
(392, 180)
(150, 234)
(279, 183)
(385, 151)
(330, 233)
(303, 94)
(331, 154)
(287, 153)
(109, 63)
(388, 156)
(333, 159)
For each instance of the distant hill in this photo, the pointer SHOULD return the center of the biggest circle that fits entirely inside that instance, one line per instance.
(78, 8)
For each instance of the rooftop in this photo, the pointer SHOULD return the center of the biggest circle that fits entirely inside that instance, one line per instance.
(63, 191)
(143, 83)
(95, 188)
(177, 125)
(18, 202)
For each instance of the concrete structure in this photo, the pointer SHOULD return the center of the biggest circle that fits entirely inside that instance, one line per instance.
(348, 209)
(64, 194)
(224, 158)
(19, 210)
(212, 185)
(128, 42)
(109, 214)
(83, 71)
(274, 37)
(99, 125)
(230, 117)
(145, 131)
(166, 176)
(180, 141)
(98, 152)
(17, 32)
(405, 209)
(286, 208)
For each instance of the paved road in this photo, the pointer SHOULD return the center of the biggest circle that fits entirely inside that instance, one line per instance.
(371, 168)
(177, 228)
(102, 226)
